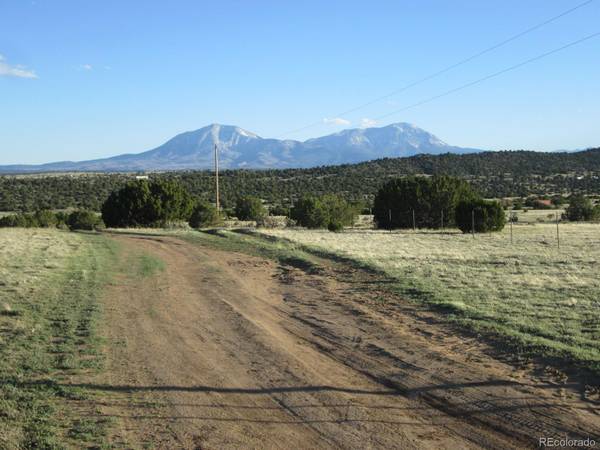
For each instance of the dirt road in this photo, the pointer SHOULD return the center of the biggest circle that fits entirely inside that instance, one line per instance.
(223, 350)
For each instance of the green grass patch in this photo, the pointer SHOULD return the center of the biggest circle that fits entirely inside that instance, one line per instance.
(149, 265)
(54, 280)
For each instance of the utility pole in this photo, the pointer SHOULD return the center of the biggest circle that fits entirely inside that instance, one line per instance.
(217, 177)
(473, 223)
(442, 219)
(557, 233)
(414, 222)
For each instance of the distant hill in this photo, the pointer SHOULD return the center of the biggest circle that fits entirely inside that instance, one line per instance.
(494, 174)
(239, 148)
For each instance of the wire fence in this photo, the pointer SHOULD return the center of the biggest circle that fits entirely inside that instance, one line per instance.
(413, 220)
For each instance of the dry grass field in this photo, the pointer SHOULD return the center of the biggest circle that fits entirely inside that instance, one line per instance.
(536, 294)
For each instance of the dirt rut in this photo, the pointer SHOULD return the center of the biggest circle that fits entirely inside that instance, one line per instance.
(223, 350)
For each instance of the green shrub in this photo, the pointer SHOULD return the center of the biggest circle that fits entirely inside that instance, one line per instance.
(14, 220)
(250, 208)
(45, 219)
(335, 226)
(321, 212)
(171, 202)
(61, 218)
(581, 208)
(129, 206)
(83, 220)
(147, 204)
(518, 204)
(309, 212)
(340, 213)
(428, 197)
(205, 215)
(487, 216)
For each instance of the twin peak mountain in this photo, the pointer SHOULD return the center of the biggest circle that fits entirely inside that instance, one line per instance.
(239, 149)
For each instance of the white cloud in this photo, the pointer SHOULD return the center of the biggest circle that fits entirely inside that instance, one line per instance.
(336, 121)
(367, 123)
(86, 67)
(18, 70)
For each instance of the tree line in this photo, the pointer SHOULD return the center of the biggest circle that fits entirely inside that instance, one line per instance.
(493, 174)
(407, 202)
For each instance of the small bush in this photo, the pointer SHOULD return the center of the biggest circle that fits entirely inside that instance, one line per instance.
(13, 221)
(83, 220)
(61, 219)
(205, 215)
(250, 208)
(335, 226)
(488, 216)
(45, 219)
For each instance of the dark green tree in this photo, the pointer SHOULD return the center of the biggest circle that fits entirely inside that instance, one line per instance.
(580, 208)
(428, 197)
(129, 206)
(329, 211)
(250, 208)
(170, 202)
(83, 220)
(143, 203)
(205, 215)
(340, 212)
(309, 212)
(485, 215)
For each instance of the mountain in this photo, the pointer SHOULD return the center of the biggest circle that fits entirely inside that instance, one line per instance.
(239, 148)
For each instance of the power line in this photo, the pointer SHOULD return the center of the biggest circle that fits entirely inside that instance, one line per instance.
(448, 68)
(493, 75)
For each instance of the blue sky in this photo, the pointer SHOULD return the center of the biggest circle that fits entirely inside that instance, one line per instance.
(87, 79)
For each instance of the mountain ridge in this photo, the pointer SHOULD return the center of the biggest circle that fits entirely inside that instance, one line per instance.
(239, 148)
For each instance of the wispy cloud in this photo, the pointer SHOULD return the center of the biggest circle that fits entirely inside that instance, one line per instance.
(367, 123)
(336, 121)
(86, 67)
(18, 70)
